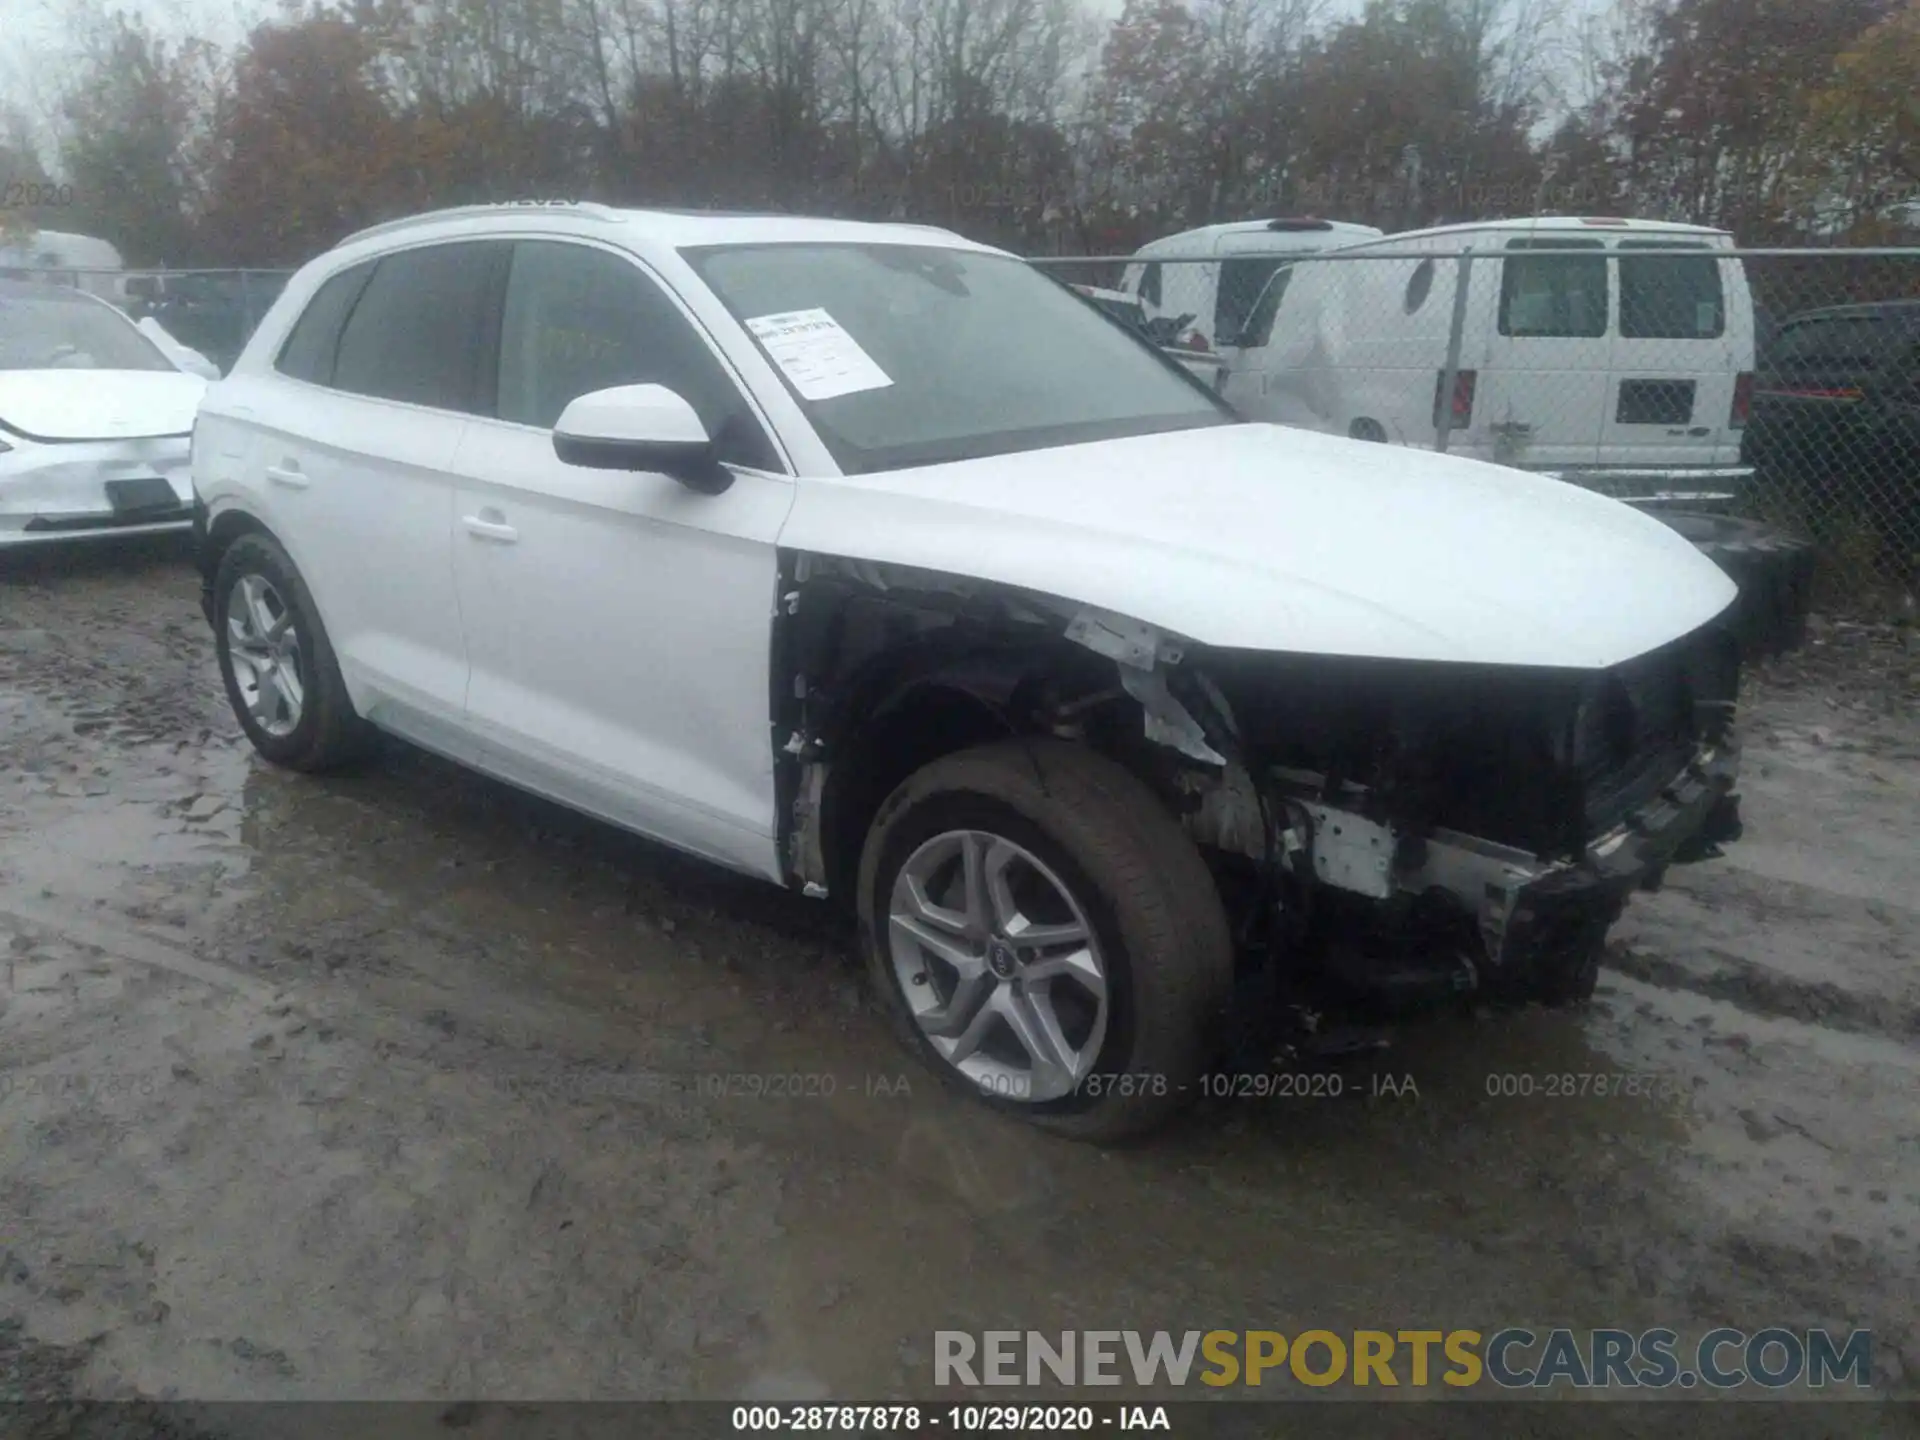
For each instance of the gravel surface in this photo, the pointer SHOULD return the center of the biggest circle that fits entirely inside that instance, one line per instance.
(403, 1085)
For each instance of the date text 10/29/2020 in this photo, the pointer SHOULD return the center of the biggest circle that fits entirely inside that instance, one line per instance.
(950, 1419)
(1225, 1085)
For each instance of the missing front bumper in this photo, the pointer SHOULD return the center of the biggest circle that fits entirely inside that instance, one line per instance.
(1525, 912)
(1523, 906)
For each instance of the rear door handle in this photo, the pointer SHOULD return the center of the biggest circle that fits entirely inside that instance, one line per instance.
(289, 476)
(490, 525)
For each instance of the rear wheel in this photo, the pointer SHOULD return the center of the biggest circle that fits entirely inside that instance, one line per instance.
(1045, 937)
(277, 664)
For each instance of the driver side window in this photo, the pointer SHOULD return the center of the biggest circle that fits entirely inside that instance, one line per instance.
(578, 319)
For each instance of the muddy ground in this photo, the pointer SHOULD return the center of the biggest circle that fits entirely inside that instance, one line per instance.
(402, 1085)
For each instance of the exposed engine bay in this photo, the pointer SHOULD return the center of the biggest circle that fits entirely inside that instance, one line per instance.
(1393, 827)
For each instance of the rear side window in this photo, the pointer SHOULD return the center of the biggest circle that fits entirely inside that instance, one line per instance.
(1554, 295)
(1241, 282)
(1259, 331)
(1419, 287)
(1852, 342)
(1150, 283)
(1670, 297)
(579, 319)
(309, 349)
(419, 329)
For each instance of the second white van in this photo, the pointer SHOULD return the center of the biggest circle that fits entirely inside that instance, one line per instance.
(1213, 276)
(1616, 353)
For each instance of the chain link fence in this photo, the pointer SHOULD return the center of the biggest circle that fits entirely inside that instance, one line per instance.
(211, 311)
(1778, 384)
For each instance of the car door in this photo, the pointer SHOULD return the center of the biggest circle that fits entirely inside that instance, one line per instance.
(355, 446)
(1540, 390)
(1685, 335)
(619, 624)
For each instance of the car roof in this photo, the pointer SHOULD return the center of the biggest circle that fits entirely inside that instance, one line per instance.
(1581, 224)
(1333, 230)
(1864, 310)
(672, 229)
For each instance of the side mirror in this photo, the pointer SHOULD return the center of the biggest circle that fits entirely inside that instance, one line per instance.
(640, 427)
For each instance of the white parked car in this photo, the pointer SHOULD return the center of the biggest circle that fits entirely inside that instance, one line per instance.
(870, 561)
(1209, 279)
(94, 421)
(1620, 358)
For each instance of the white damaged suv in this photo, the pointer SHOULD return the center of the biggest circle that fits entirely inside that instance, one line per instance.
(873, 562)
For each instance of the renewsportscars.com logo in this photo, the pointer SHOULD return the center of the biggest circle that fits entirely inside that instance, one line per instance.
(1513, 1358)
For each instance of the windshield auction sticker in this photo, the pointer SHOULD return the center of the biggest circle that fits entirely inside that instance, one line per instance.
(817, 354)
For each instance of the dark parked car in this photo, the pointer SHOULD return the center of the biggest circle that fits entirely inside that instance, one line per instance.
(1835, 425)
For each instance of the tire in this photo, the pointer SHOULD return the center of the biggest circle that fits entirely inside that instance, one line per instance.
(1121, 870)
(322, 732)
(1565, 975)
(1773, 570)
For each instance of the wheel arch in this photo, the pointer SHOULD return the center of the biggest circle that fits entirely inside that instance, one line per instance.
(879, 671)
(225, 526)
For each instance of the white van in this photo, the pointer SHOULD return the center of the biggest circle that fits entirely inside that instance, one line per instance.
(1615, 362)
(1214, 274)
(84, 261)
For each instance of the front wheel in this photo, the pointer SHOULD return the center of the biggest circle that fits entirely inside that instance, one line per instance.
(1046, 937)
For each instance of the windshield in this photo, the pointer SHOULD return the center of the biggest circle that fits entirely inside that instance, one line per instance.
(908, 355)
(54, 330)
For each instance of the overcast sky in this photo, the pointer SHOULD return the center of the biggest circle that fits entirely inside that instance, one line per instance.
(36, 51)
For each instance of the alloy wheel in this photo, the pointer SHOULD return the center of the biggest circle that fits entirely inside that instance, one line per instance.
(264, 644)
(999, 966)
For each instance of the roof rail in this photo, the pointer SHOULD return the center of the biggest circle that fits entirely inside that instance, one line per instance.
(585, 209)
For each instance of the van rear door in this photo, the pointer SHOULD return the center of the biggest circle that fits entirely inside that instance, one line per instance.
(1685, 335)
(1540, 395)
(1248, 262)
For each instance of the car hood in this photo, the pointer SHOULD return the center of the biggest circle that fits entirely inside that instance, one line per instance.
(98, 404)
(1266, 538)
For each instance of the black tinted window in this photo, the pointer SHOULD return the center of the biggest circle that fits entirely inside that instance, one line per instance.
(579, 320)
(308, 353)
(420, 325)
(1542, 295)
(1853, 341)
(1241, 284)
(1150, 283)
(1419, 287)
(1670, 297)
(1259, 329)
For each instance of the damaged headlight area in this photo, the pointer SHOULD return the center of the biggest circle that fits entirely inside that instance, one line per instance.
(1427, 826)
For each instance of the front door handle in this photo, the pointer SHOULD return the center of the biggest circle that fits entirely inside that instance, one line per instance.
(290, 476)
(491, 525)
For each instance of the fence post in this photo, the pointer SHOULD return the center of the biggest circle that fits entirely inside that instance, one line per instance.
(1443, 423)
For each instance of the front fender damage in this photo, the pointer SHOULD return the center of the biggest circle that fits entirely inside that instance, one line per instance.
(1332, 861)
